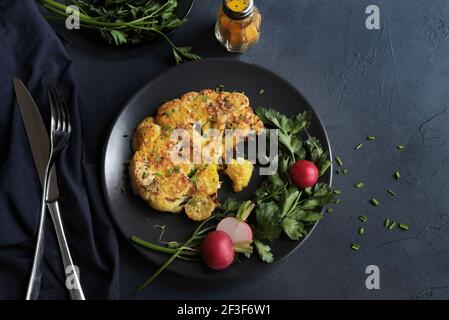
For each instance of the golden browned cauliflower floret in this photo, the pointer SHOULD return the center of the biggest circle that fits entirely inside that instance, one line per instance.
(240, 172)
(200, 207)
(207, 179)
(170, 193)
(146, 134)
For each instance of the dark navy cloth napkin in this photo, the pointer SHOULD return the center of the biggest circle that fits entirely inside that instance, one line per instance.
(31, 51)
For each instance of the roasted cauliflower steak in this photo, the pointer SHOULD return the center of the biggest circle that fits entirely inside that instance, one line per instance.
(170, 186)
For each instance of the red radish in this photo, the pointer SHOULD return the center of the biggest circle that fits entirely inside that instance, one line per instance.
(236, 227)
(238, 230)
(217, 250)
(304, 173)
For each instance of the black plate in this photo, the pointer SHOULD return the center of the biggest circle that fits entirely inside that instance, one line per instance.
(133, 216)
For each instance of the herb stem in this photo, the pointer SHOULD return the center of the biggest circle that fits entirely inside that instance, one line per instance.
(174, 255)
(392, 225)
(60, 8)
(359, 185)
(201, 232)
(391, 192)
(339, 161)
(158, 271)
(156, 247)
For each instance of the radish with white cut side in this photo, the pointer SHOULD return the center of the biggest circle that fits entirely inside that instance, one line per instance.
(236, 227)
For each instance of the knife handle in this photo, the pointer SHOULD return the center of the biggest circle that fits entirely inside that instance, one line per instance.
(72, 283)
(34, 283)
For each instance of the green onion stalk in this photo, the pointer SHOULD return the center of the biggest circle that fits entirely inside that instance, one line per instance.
(188, 251)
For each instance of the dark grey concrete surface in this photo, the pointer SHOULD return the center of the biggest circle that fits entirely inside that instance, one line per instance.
(392, 83)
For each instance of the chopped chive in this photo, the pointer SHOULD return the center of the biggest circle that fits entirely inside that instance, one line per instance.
(337, 201)
(397, 175)
(403, 226)
(375, 202)
(337, 192)
(345, 171)
(359, 185)
(125, 136)
(371, 138)
(363, 218)
(330, 210)
(359, 146)
(261, 91)
(355, 246)
(392, 225)
(144, 175)
(339, 161)
(391, 192)
(386, 223)
(400, 147)
(361, 231)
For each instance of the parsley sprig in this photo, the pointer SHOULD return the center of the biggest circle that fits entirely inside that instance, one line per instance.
(282, 208)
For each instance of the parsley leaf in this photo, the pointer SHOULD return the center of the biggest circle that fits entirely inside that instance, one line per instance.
(230, 205)
(293, 228)
(293, 145)
(317, 155)
(118, 37)
(312, 217)
(264, 251)
(276, 180)
(268, 221)
(322, 195)
(282, 122)
(290, 198)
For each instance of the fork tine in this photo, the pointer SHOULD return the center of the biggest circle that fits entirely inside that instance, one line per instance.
(61, 127)
(69, 119)
(61, 110)
(65, 109)
(52, 101)
(67, 112)
(57, 114)
(58, 111)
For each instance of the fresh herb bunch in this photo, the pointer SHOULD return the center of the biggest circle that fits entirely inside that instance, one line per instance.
(282, 208)
(127, 22)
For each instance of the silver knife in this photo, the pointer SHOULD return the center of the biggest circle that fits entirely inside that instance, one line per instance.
(40, 148)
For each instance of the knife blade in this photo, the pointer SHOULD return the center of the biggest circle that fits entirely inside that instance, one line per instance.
(38, 138)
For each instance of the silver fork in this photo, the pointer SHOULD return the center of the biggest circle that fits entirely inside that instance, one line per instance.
(60, 130)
